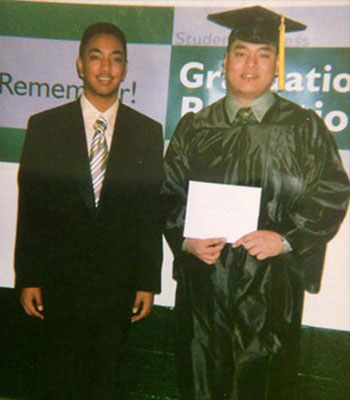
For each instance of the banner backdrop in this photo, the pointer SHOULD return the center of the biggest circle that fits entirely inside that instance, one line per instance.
(175, 59)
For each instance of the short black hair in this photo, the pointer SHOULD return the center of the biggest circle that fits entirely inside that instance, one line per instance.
(232, 37)
(98, 28)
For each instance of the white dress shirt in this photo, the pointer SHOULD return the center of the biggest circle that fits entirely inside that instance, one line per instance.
(91, 114)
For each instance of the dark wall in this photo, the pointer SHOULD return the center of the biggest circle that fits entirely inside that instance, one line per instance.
(324, 372)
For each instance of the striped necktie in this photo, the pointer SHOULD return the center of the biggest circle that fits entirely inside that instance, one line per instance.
(98, 157)
(244, 116)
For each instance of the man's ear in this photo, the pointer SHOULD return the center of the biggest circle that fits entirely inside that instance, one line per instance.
(125, 70)
(277, 65)
(223, 71)
(79, 65)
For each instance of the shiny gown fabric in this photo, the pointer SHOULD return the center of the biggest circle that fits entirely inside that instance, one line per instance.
(238, 320)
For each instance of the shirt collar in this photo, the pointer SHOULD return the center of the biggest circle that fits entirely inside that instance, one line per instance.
(260, 106)
(91, 113)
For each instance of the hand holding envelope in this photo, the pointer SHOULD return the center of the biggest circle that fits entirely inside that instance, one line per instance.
(261, 244)
(217, 214)
(207, 250)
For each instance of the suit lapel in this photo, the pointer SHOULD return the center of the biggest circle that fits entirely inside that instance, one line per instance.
(80, 156)
(123, 142)
(123, 152)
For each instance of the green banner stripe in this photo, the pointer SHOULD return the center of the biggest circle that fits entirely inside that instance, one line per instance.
(68, 21)
(11, 142)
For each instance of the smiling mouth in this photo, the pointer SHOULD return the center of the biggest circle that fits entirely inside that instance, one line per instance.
(104, 79)
(249, 77)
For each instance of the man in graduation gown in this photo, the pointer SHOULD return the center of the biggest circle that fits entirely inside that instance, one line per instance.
(239, 306)
(89, 245)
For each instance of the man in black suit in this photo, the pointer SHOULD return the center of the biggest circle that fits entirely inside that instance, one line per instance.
(88, 251)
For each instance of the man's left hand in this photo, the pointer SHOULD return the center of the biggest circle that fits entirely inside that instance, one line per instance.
(142, 305)
(261, 244)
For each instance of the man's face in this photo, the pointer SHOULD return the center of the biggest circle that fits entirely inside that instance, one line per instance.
(250, 69)
(103, 66)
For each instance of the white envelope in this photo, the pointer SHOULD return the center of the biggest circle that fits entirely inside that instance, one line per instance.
(219, 210)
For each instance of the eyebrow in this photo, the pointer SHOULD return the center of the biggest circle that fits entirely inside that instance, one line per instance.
(239, 46)
(266, 48)
(96, 50)
(242, 47)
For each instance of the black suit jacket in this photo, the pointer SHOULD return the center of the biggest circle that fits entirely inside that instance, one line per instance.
(63, 241)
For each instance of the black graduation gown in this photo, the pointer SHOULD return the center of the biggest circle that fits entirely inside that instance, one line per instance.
(238, 320)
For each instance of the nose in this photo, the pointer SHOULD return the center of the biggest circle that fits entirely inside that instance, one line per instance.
(105, 64)
(251, 61)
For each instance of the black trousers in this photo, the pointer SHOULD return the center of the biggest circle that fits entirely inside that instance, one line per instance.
(80, 346)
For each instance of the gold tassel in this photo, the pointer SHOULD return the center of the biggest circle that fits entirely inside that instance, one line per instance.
(281, 54)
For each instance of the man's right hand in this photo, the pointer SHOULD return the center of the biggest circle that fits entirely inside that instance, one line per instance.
(207, 250)
(31, 301)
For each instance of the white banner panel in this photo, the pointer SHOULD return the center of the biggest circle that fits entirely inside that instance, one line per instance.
(38, 74)
(202, 32)
(331, 307)
(8, 218)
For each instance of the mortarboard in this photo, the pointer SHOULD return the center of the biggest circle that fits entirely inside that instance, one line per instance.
(258, 25)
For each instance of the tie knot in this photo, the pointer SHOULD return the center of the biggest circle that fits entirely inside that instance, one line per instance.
(244, 115)
(101, 124)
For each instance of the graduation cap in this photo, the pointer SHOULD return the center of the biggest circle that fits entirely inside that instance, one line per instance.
(259, 25)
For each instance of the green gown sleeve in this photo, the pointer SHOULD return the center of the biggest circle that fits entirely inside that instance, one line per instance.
(174, 190)
(318, 215)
